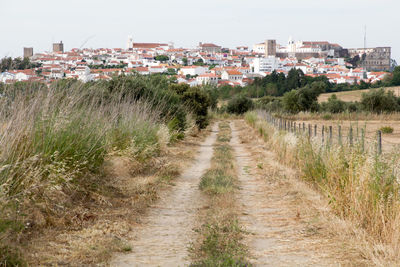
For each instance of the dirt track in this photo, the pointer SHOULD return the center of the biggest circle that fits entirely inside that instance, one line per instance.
(288, 223)
(164, 236)
(286, 220)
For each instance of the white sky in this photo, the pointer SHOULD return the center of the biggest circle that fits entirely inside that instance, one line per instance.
(229, 23)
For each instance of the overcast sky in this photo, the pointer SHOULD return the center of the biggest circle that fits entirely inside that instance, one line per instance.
(186, 22)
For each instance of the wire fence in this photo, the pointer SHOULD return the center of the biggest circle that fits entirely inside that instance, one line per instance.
(329, 134)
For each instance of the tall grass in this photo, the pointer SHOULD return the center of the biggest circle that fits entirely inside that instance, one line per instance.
(52, 141)
(361, 185)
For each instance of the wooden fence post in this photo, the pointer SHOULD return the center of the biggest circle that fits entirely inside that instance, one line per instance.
(340, 134)
(351, 136)
(379, 142)
(362, 139)
(330, 134)
(323, 133)
(315, 130)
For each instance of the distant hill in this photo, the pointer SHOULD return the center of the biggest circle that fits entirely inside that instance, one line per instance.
(354, 95)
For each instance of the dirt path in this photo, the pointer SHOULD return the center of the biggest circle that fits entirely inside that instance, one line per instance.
(164, 236)
(284, 217)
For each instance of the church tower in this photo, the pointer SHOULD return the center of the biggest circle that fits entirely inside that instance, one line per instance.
(129, 43)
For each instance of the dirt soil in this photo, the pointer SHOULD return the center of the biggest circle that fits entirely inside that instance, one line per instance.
(165, 234)
(289, 224)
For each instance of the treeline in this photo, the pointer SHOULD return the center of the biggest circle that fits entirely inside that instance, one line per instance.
(306, 99)
(8, 63)
(277, 84)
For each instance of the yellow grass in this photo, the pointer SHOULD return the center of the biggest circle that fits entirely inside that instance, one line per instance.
(349, 96)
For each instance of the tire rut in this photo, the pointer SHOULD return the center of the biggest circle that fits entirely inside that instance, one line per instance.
(167, 230)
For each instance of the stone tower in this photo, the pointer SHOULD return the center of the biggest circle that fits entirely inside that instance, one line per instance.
(28, 51)
(58, 47)
(270, 48)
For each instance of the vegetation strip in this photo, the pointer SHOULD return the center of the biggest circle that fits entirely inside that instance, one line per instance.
(361, 185)
(56, 142)
(220, 242)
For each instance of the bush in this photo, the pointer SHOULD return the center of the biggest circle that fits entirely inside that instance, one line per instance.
(380, 101)
(239, 105)
(386, 129)
(269, 103)
(334, 105)
(303, 99)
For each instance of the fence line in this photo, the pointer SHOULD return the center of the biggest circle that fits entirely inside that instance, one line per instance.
(311, 131)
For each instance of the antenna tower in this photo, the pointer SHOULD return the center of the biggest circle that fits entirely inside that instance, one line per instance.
(365, 37)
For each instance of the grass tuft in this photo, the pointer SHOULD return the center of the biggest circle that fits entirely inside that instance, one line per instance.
(220, 236)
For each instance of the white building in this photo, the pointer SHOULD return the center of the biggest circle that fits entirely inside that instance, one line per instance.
(207, 78)
(232, 75)
(265, 64)
(192, 70)
(259, 48)
(6, 76)
(83, 73)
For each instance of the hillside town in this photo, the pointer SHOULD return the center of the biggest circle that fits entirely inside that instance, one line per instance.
(208, 63)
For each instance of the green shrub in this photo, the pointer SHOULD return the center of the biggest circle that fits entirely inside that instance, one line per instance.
(303, 99)
(380, 101)
(386, 129)
(334, 105)
(239, 105)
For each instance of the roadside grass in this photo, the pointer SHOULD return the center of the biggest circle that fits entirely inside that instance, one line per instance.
(220, 236)
(361, 185)
(53, 146)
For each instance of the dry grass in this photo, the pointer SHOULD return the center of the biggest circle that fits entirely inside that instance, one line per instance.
(351, 96)
(360, 187)
(297, 214)
(390, 141)
(108, 218)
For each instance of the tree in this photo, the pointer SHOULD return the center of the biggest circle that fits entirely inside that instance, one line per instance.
(334, 105)
(380, 101)
(199, 62)
(396, 76)
(198, 101)
(239, 104)
(161, 58)
(185, 61)
(303, 99)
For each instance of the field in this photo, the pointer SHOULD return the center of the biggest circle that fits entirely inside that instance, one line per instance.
(390, 141)
(354, 95)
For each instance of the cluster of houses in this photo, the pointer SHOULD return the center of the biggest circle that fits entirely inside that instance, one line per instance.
(206, 64)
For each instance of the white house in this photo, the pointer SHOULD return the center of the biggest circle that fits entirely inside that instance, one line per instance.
(6, 76)
(259, 48)
(192, 70)
(83, 73)
(232, 75)
(207, 78)
(157, 69)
